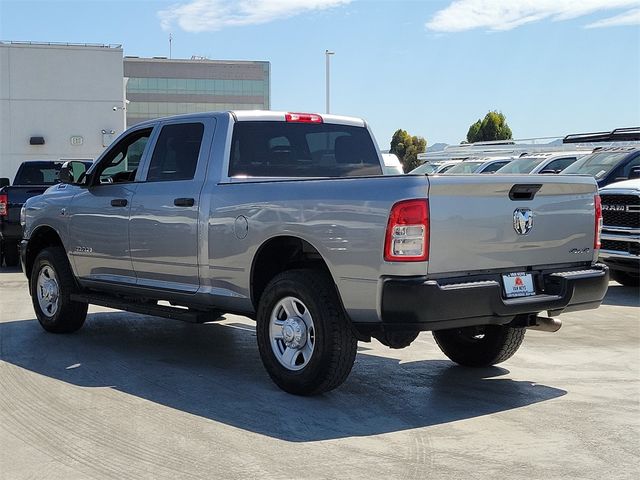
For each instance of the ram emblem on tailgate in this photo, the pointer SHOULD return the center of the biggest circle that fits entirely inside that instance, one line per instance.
(522, 220)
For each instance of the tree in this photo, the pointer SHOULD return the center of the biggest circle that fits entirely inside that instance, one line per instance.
(407, 148)
(493, 127)
(474, 131)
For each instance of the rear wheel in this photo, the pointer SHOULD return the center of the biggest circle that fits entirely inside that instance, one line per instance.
(52, 284)
(305, 341)
(480, 346)
(627, 279)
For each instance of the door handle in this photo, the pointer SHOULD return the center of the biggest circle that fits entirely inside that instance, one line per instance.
(184, 202)
(119, 202)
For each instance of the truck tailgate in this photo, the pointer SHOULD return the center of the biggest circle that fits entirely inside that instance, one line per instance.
(17, 195)
(472, 225)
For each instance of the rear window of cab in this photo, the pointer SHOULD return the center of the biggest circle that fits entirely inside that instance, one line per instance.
(285, 149)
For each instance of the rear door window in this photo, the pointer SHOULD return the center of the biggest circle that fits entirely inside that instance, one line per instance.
(282, 149)
(175, 155)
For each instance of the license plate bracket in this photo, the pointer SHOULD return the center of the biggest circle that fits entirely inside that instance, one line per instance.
(518, 284)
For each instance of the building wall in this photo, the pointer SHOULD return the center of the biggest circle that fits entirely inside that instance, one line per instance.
(58, 92)
(160, 87)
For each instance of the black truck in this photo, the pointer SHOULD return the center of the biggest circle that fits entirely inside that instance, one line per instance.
(33, 178)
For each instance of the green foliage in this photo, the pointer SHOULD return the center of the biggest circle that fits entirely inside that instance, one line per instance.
(493, 127)
(474, 131)
(407, 148)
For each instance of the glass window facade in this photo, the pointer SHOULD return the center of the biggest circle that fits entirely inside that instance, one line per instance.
(159, 87)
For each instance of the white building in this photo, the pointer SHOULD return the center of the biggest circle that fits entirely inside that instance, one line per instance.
(58, 101)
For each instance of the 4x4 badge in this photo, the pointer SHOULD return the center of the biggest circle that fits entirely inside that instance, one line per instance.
(522, 220)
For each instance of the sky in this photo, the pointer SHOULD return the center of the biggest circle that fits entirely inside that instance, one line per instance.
(553, 67)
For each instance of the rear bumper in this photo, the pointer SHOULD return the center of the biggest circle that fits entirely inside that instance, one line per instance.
(421, 304)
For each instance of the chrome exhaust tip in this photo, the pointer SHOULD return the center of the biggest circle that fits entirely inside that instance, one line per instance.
(546, 324)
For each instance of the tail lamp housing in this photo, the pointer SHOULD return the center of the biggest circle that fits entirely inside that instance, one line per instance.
(4, 205)
(407, 236)
(598, 222)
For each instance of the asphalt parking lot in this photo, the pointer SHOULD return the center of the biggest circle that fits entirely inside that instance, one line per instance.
(132, 397)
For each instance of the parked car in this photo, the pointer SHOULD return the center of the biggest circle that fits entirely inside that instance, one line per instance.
(286, 218)
(32, 178)
(621, 230)
(542, 163)
(435, 168)
(607, 165)
(392, 165)
(480, 165)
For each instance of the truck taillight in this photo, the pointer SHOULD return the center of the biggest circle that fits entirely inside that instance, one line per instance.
(407, 238)
(598, 226)
(303, 117)
(4, 207)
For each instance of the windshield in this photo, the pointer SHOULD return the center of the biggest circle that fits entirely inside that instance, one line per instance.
(464, 167)
(522, 165)
(597, 164)
(426, 168)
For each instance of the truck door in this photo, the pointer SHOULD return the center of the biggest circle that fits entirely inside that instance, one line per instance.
(163, 227)
(99, 214)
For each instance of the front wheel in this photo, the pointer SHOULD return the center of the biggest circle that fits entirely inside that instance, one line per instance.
(305, 341)
(480, 346)
(52, 284)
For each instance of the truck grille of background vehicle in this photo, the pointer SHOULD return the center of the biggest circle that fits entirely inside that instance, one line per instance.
(613, 214)
(620, 246)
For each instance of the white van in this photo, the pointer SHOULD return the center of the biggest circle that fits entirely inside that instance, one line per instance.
(392, 165)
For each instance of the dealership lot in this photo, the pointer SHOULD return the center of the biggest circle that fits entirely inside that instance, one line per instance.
(137, 397)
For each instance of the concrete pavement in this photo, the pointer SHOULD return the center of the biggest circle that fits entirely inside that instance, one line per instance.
(133, 397)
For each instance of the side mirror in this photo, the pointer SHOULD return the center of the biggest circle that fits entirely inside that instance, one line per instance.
(634, 173)
(549, 171)
(72, 172)
(4, 182)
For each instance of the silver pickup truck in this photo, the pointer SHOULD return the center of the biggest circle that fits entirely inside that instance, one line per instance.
(286, 218)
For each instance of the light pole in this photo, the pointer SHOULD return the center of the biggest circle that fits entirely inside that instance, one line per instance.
(327, 55)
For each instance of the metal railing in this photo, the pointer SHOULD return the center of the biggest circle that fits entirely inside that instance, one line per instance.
(61, 44)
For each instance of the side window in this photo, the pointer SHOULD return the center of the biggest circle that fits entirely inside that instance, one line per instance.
(560, 164)
(495, 166)
(627, 168)
(121, 163)
(176, 153)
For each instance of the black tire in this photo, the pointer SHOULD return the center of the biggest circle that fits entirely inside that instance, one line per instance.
(334, 344)
(68, 315)
(480, 346)
(11, 255)
(627, 279)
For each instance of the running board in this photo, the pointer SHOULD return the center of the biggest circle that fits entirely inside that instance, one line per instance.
(175, 313)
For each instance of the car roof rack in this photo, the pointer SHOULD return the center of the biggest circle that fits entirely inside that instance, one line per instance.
(629, 134)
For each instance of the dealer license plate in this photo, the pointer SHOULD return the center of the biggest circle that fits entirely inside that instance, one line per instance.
(518, 284)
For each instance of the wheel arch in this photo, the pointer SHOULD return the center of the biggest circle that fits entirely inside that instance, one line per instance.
(280, 253)
(42, 237)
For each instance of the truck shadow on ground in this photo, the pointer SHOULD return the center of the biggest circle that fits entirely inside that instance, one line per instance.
(214, 371)
(621, 296)
(4, 269)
